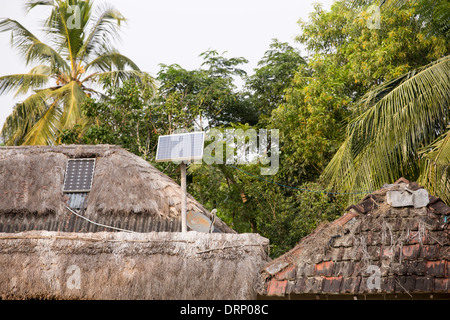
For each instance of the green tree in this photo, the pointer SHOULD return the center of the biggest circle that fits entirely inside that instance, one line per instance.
(398, 122)
(205, 97)
(249, 204)
(125, 117)
(346, 60)
(402, 131)
(273, 76)
(65, 72)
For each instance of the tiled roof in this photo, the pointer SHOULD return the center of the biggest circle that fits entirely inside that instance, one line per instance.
(375, 248)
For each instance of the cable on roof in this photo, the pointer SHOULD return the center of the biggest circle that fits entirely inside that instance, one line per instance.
(301, 189)
(98, 224)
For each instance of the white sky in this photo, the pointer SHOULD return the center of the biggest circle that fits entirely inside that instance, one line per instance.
(177, 31)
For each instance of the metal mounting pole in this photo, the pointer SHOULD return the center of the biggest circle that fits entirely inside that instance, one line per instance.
(183, 198)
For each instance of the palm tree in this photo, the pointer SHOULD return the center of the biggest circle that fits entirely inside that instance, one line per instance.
(403, 129)
(66, 71)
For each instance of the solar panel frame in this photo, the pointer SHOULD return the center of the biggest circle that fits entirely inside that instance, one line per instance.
(166, 144)
(79, 175)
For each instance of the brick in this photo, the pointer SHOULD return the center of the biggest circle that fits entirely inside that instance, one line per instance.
(289, 273)
(413, 268)
(429, 252)
(418, 238)
(394, 269)
(356, 253)
(359, 268)
(374, 252)
(324, 268)
(290, 287)
(441, 207)
(410, 252)
(447, 269)
(364, 286)
(436, 268)
(343, 268)
(445, 252)
(420, 268)
(432, 237)
(373, 238)
(299, 285)
(332, 284)
(404, 284)
(345, 218)
(366, 224)
(350, 285)
(368, 204)
(397, 223)
(336, 254)
(442, 285)
(276, 266)
(344, 241)
(424, 284)
(313, 285)
(347, 255)
(306, 269)
(387, 284)
(390, 253)
(276, 288)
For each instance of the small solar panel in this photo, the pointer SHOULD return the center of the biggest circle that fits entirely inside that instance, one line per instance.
(79, 175)
(181, 147)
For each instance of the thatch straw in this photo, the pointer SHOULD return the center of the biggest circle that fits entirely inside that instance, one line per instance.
(124, 185)
(51, 265)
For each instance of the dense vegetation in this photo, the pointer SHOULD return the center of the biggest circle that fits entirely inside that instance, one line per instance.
(363, 107)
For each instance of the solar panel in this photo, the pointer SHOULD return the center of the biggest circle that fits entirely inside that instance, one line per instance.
(180, 147)
(79, 175)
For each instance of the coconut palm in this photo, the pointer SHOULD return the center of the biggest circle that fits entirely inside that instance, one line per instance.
(78, 56)
(403, 129)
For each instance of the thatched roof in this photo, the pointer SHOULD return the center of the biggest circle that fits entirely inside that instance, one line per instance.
(379, 249)
(127, 192)
(104, 265)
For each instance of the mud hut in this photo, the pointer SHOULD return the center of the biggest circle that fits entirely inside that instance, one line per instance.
(124, 266)
(393, 244)
(116, 238)
(126, 192)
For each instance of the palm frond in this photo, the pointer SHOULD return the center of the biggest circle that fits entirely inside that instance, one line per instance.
(382, 142)
(22, 82)
(66, 26)
(119, 76)
(103, 32)
(45, 130)
(110, 61)
(31, 4)
(24, 116)
(31, 48)
(72, 96)
(435, 174)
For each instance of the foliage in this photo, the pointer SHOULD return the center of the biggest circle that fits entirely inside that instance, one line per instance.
(66, 71)
(251, 205)
(205, 97)
(346, 60)
(400, 118)
(274, 74)
(125, 117)
(364, 107)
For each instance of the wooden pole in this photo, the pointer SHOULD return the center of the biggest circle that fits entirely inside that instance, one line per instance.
(183, 198)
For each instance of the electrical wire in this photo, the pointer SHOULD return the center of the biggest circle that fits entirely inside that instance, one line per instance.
(296, 188)
(98, 224)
